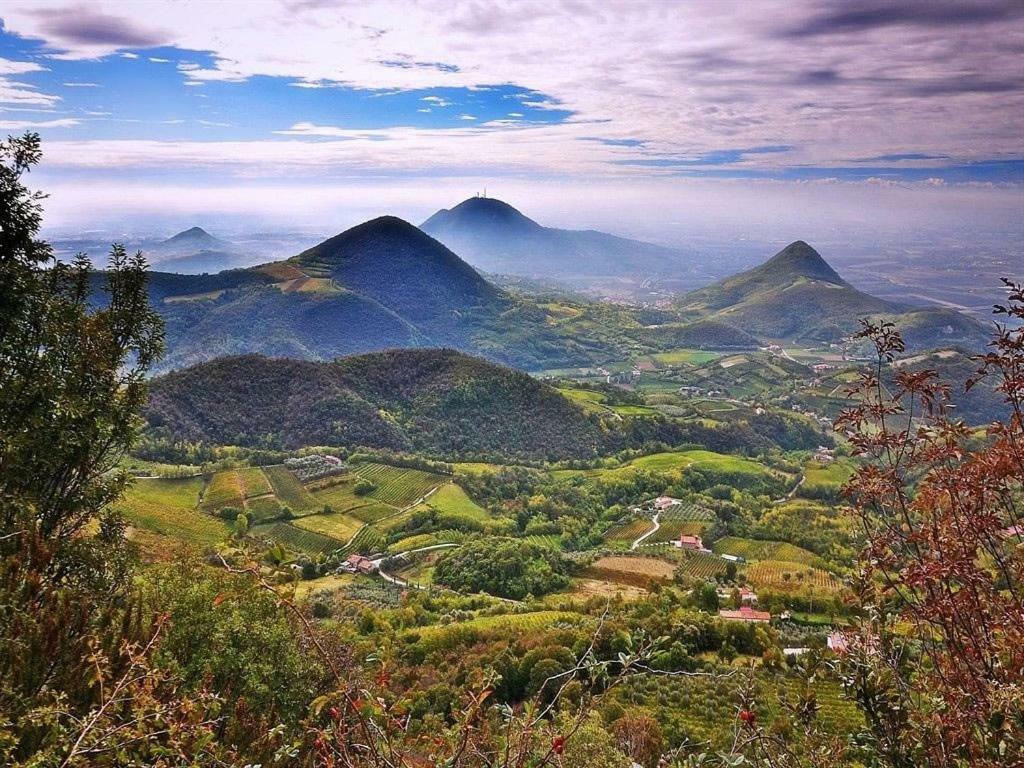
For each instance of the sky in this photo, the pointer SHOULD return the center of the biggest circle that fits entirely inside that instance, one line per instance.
(633, 116)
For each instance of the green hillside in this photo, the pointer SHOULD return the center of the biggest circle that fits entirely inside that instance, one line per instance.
(438, 401)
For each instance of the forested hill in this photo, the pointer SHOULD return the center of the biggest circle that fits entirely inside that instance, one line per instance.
(427, 400)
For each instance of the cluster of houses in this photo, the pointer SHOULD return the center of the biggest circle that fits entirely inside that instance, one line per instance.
(824, 455)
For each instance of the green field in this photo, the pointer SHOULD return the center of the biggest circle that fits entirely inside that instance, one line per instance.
(450, 499)
(288, 489)
(254, 482)
(756, 549)
(336, 493)
(468, 631)
(686, 357)
(168, 507)
(302, 540)
(398, 486)
(224, 490)
(337, 525)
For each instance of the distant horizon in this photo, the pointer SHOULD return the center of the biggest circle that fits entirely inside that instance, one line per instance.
(658, 121)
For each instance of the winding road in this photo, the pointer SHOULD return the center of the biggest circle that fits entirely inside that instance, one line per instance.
(650, 533)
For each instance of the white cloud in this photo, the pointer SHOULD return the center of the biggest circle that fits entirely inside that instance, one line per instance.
(9, 67)
(467, 117)
(31, 125)
(686, 78)
(81, 85)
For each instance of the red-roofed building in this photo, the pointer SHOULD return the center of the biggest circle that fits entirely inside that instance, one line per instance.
(747, 595)
(746, 613)
(690, 542)
(359, 564)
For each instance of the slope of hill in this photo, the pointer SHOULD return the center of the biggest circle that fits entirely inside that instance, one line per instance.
(195, 251)
(435, 401)
(380, 285)
(396, 264)
(797, 296)
(496, 237)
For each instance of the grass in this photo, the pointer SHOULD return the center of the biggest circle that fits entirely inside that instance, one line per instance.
(168, 507)
(224, 490)
(452, 500)
(398, 486)
(254, 482)
(337, 525)
(685, 357)
(426, 540)
(288, 489)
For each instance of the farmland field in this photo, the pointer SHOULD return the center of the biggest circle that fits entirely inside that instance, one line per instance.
(755, 549)
(337, 525)
(686, 357)
(398, 486)
(635, 571)
(337, 493)
(254, 482)
(262, 508)
(696, 707)
(468, 631)
(224, 490)
(772, 573)
(302, 540)
(698, 565)
(453, 502)
(629, 531)
(671, 530)
(168, 507)
(288, 489)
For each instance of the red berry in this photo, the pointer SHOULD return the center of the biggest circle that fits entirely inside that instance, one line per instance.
(558, 745)
(748, 717)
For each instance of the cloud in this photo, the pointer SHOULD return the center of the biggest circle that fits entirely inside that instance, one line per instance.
(855, 16)
(935, 78)
(84, 27)
(467, 117)
(81, 85)
(8, 67)
(31, 125)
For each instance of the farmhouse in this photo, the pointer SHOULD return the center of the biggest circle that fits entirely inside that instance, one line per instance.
(748, 596)
(664, 502)
(692, 543)
(359, 564)
(733, 558)
(746, 613)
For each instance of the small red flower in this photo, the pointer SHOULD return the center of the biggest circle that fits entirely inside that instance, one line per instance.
(749, 718)
(558, 745)
(335, 713)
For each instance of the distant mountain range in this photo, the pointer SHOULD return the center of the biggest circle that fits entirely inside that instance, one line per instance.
(387, 284)
(379, 285)
(497, 238)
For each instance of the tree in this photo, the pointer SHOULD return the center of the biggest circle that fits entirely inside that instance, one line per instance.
(71, 376)
(707, 598)
(640, 737)
(77, 679)
(943, 560)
